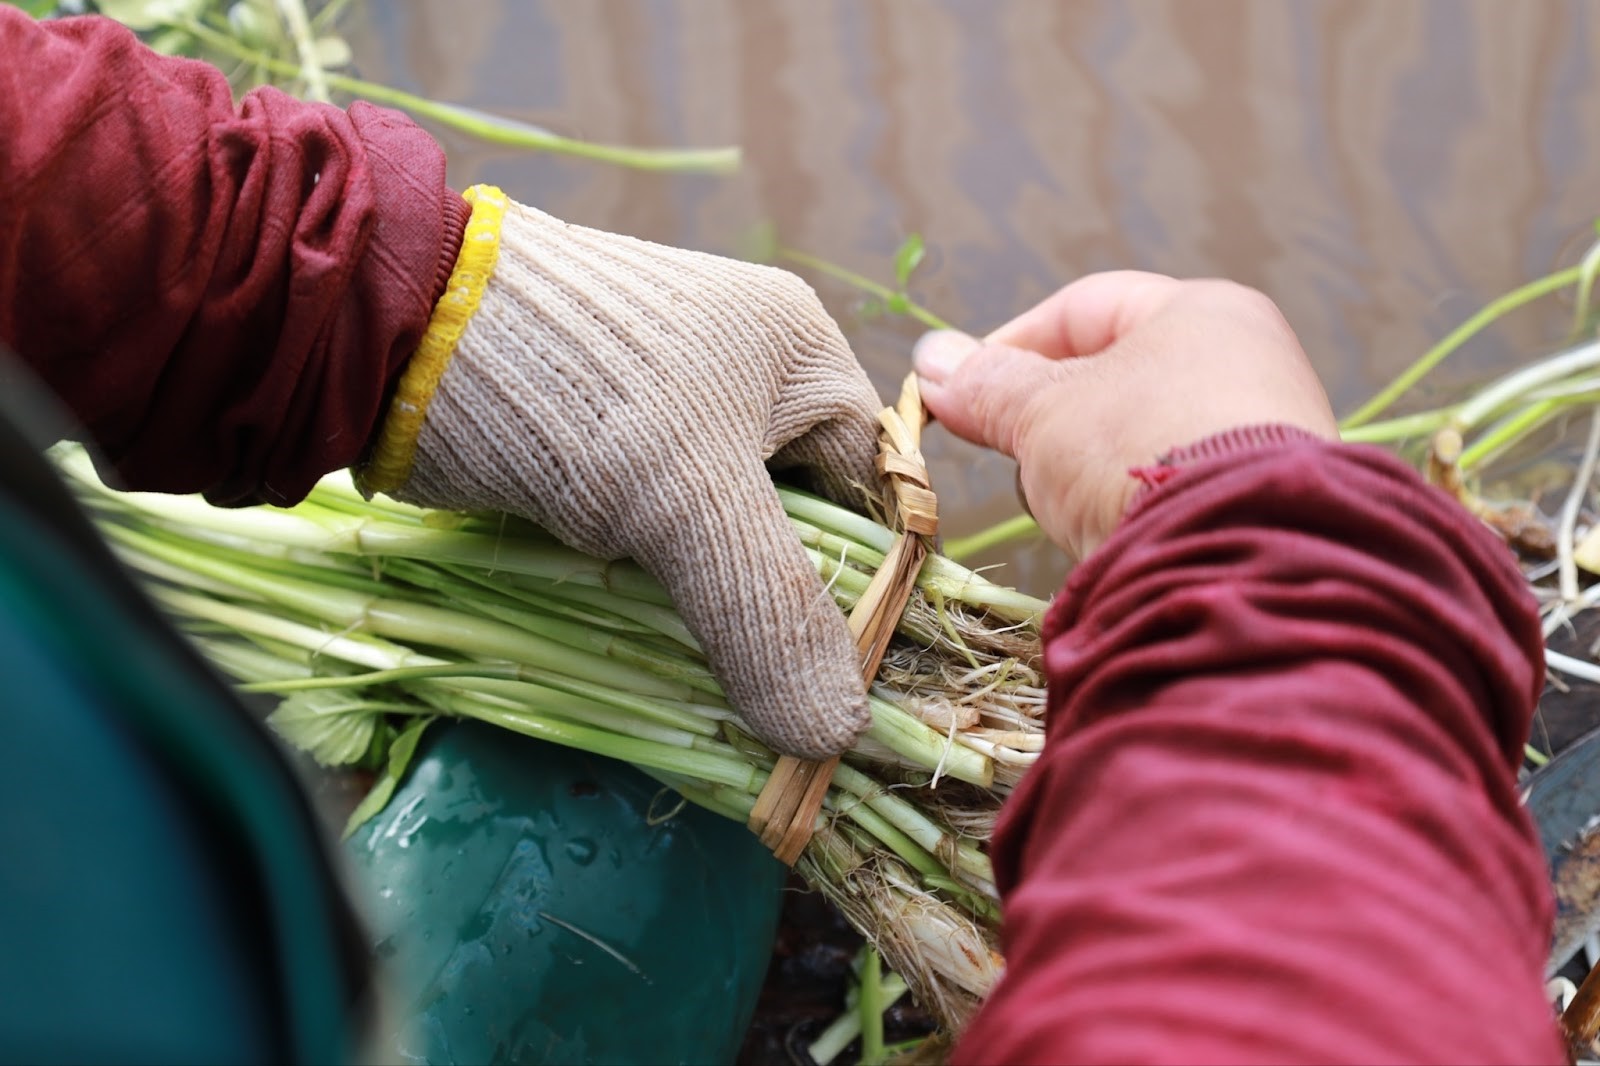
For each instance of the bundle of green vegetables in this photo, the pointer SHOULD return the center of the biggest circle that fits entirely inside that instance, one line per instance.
(371, 619)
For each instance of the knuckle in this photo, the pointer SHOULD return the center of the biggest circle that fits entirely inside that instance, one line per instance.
(790, 288)
(1241, 300)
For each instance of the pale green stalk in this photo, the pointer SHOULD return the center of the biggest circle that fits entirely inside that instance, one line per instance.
(818, 519)
(924, 746)
(1017, 528)
(1423, 423)
(124, 548)
(272, 532)
(896, 300)
(591, 727)
(427, 624)
(832, 1041)
(824, 515)
(726, 769)
(932, 838)
(295, 21)
(358, 649)
(1588, 271)
(870, 1007)
(1507, 432)
(1518, 297)
(883, 832)
(250, 663)
(412, 622)
(1527, 379)
(532, 701)
(732, 803)
(1566, 527)
(526, 693)
(492, 128)
(568, 597)
(955, 582)
(676, 665)
(508, 681)
(396, 675)
(840, 549)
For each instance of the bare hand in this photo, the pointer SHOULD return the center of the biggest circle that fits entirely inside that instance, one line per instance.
(1111, 373)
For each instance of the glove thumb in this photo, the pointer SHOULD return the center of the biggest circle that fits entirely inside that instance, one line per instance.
(751, 595)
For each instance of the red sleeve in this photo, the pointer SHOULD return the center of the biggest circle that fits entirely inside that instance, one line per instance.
(222, 296)
(1276, 817)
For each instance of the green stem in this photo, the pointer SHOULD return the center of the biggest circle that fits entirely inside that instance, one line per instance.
(884, 832)
(871, 1006)
(926, 747)
(832, 1041)
(690, 762)
(1421, 424)
(865, 284)
(1507, 432)
(1569, 393)
(960, 548)
(294, 17)
(1588, 269)
(491, 128)
(521, 693)
(725, 800)
(374, 677)
(931, 837)
(835, 519)
(955, 582)
(1526, 380)
(592, 635)
(1505, 304)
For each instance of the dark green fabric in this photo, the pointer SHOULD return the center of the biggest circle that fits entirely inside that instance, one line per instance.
(115, 949)
(162, 877)
(534, 904)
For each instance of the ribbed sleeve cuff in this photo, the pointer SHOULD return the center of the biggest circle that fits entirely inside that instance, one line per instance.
(456, 212)
(1228, 443)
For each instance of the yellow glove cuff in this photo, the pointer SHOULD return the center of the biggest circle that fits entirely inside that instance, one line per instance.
(390, 463)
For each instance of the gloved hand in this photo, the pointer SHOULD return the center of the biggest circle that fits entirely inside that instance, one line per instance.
(625, 396)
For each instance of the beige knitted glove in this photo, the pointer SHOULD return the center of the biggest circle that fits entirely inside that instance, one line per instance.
(625, 396)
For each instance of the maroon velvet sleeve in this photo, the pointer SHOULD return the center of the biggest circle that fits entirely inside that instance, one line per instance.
(1276, 817)
(222, 295)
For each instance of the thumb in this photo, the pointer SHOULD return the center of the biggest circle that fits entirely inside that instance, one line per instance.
(1045, 413)
(990, 394)
(750, 594)
(840, 456)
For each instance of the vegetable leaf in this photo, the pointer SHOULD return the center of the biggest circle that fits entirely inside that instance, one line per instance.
(334, 727)
(148, 14)
(400, 753)
(907, 258)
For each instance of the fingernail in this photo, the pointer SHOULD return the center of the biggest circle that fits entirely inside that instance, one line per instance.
(937, 354)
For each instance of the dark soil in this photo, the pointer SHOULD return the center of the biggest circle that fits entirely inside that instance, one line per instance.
(806, 985)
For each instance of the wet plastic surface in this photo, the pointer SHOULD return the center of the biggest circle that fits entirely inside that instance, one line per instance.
(526, 909)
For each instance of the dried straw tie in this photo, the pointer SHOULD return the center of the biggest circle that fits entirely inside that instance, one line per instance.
(785, 813)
